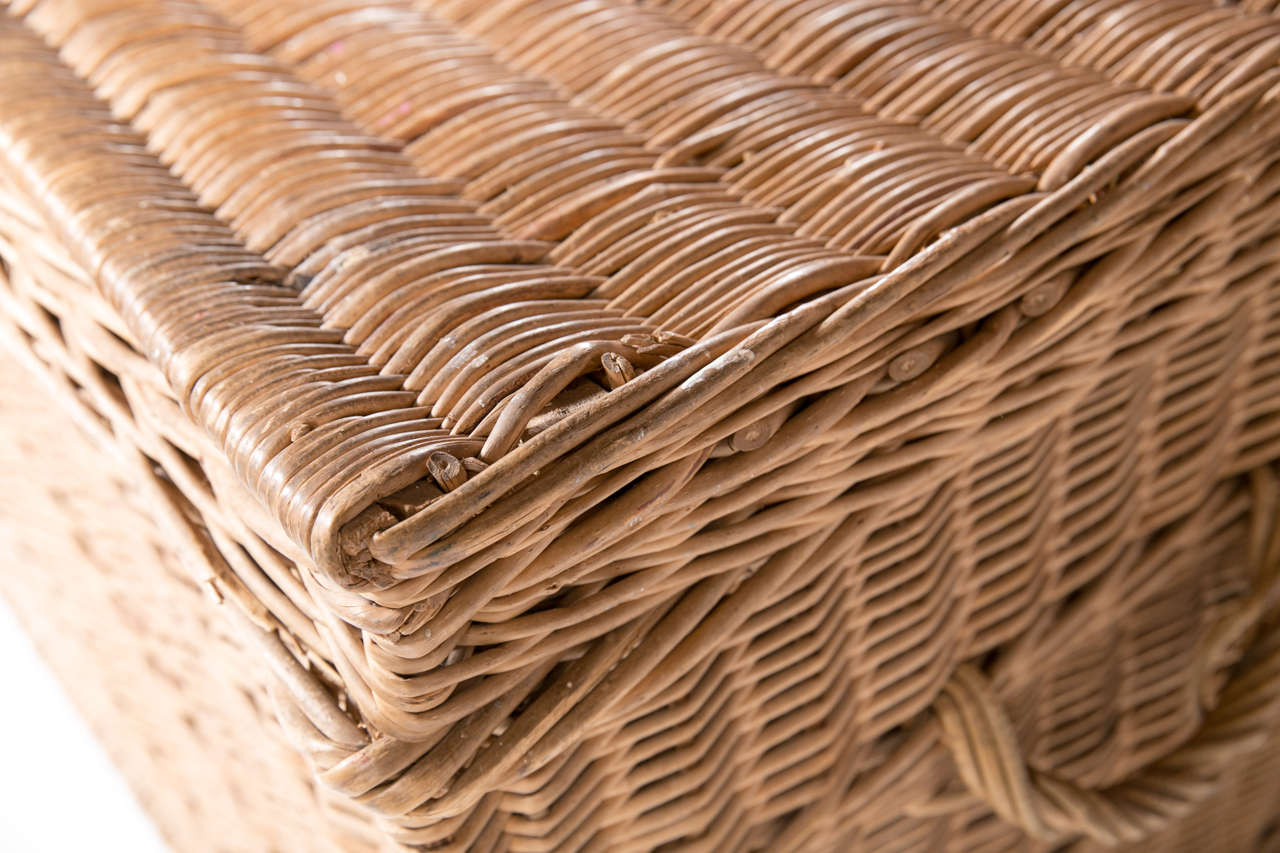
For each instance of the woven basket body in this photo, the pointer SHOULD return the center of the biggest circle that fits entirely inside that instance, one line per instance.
(543, 425)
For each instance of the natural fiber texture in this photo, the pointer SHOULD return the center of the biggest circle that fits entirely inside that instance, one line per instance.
(166, 682)
(790, 425)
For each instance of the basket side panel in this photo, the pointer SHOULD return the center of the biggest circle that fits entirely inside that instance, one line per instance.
(147, 659)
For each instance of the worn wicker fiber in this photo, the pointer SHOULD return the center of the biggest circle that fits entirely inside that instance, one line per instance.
(711, 425)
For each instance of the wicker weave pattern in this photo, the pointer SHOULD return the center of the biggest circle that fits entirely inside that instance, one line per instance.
(725, 424)
(167, 682)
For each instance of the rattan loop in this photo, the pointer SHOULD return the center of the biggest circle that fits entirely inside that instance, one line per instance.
(977, 732)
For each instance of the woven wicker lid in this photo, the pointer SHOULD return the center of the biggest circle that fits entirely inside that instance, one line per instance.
(192, 86)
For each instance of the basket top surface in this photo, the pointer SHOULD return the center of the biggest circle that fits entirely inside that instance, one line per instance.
(401, 261)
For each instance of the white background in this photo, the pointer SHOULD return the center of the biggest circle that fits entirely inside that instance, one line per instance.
(73, 800)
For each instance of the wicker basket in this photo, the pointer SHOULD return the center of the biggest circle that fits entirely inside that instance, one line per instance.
(711, 425)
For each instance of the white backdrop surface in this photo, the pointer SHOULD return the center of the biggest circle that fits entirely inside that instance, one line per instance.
(51, 760)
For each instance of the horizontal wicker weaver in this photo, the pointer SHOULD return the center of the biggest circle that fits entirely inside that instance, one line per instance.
(779, 425)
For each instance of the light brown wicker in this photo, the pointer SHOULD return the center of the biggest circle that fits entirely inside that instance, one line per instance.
(167, 683)
(781, 425)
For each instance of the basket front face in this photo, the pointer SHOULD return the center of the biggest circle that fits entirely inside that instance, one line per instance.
(733, 426)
